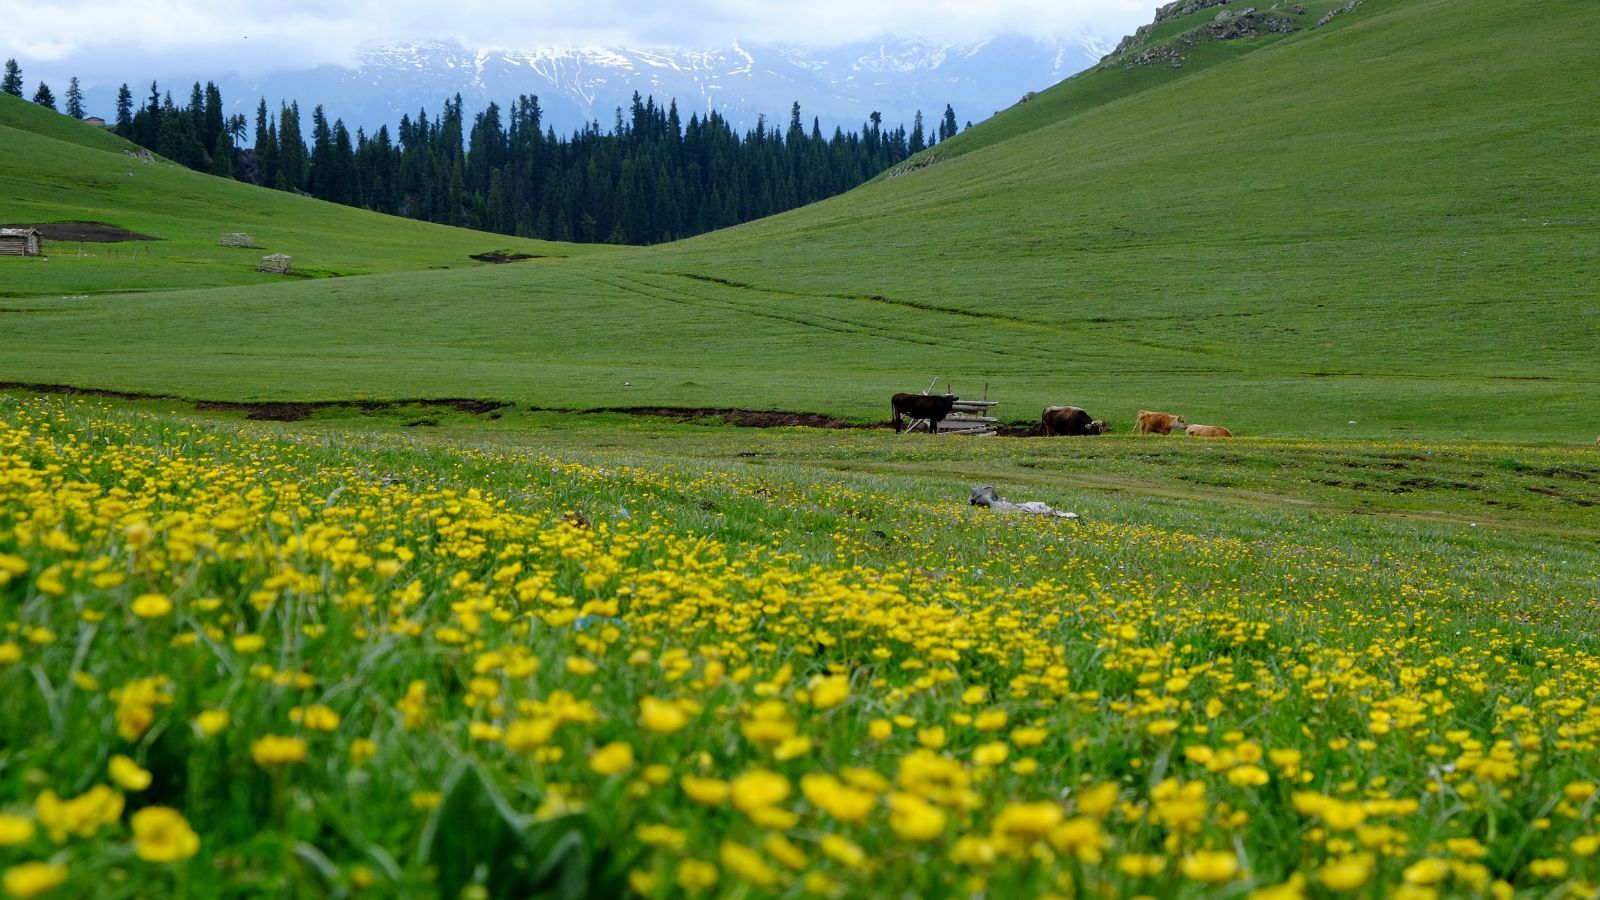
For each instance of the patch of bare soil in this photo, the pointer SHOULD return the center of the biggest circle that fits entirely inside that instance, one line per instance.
(744, 418)
(500, 257)
(272, 411)
(86, 232)
(295, 412)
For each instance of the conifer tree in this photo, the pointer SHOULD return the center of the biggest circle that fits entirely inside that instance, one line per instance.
(291, 149)
(222, 156)
(948, 128)
(43, 97)
(125, 111)
(12, 82)
(919, 143)
(213, 123)
(74, 99)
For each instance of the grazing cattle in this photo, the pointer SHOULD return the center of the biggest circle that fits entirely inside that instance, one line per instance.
(1069, 421)
(934, 408)
(1159, 422)
(1207, 431)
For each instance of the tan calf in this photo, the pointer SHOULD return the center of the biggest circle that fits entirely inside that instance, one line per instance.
(1158, 422)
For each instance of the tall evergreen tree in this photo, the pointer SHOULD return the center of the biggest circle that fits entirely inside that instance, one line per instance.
(125, 111)
(948, 128)
(291, 150)
(222, 156)
(213, 123)
(43, 97)
(321, 155)
(340, 182)
(919, 142)
(12, 82)
(74, 98)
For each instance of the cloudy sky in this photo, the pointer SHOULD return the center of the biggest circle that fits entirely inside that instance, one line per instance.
(254, 36)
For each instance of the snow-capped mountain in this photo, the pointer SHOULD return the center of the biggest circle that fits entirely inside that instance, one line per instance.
(840, 85)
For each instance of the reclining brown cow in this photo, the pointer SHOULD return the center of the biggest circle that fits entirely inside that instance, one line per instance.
(1159, 422)
(934, 408)
(1069, 421)
(1207, 431)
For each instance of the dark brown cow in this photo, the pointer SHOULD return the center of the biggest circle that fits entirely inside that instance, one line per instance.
(934, 408)
(1069, 421)
(1159, 422)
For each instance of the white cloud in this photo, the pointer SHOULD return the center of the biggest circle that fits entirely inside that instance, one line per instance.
(248, 35)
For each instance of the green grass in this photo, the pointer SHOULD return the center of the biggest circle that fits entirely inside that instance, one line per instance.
(59, 170)
(1363, 223)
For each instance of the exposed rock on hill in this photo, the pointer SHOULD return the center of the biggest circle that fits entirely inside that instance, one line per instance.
(1226, 26)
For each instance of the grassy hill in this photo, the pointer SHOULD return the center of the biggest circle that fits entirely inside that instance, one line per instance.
(1368, 222)
(60, 170)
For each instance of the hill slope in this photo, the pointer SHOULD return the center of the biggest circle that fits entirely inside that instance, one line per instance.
(1359, 222)
(60, 170)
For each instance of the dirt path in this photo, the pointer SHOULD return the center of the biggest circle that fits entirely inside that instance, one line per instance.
(85, 232)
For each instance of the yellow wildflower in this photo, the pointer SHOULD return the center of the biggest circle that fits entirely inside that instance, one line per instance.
(1346, 874)
(661, 716)
(276, 750)
(710, 791)
(15, 830)
(830, 691)
(757, 789)
(696, 875)
(613, 758)
(127, 774)
(211, 721)
(844, 851)
(1211, 866)
(151, 606)
(747, 864)
(161, 834)
(915, 819)
(34, 878)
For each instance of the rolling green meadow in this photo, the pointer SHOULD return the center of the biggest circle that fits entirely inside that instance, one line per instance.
(505, 603)
(1330, 228)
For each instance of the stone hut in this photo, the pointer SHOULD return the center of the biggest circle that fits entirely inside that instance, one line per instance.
(277, 264)
(20, 242)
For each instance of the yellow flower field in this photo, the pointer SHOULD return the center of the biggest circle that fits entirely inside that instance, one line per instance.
(236, 663)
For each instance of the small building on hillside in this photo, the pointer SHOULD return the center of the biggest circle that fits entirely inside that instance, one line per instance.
(19, 242)
(96, 121)
(277, 264)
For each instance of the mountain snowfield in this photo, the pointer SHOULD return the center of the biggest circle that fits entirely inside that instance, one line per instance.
(840, 85)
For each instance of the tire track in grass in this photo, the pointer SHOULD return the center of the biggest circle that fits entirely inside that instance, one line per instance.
(954, 337)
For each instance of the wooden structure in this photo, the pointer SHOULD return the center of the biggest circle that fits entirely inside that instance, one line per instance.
(969, 417)
(277, 264)
(236, 239)
(20, 242)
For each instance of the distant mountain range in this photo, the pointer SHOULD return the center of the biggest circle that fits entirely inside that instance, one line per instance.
(840, 85)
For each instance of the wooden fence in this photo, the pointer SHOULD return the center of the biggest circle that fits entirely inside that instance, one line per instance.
(969, 417)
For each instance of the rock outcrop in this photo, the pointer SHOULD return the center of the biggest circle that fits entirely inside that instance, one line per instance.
(1227, 25)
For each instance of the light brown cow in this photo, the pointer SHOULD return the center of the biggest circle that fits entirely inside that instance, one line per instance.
(1159, 422)
(1207, 431)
